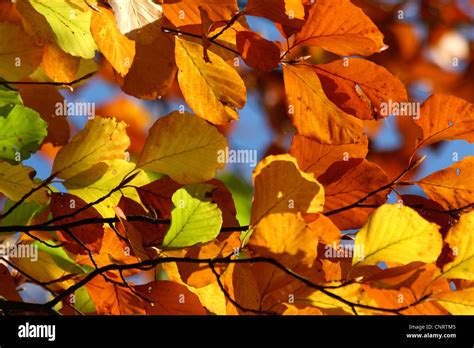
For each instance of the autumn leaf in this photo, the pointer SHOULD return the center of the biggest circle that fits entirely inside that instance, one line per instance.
(8, 286)
(397, 233)
(111, 299)
(444, 117)
(340, 27)
(460, 302)
(346, 187)
(219, 84)
(461, 241)
(117, 48)
(16, 181)
(101, 179)
(217, 10)
(257, 52)
(288, 13)
(179, 142)
(90, 235)
(144, 80)
(102, 139)
(314, 157)
(58, 65)
(21, 59)
(449, 186)
(286, 238)
(281, 187)
(312, 113)
(360, 87)
(170, 298)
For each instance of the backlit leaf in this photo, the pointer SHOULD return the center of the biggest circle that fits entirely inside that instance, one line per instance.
(183, 147)
(218, 84)
(398, 234)
(194, 219)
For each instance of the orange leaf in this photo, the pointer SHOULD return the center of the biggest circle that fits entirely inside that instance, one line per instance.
(186, 12)
(257, 52)
(112, 299)
(289, 13)
(117, 48)
(312, 113)
(340, 27)
(170, 298)
(314, 157)
(452, 187)
(359, 87)
(348, 187)
(154, 68)
(445, 117)
(7, 285)
(59, 65)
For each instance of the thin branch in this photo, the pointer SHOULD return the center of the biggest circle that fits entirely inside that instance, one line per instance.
(380, 189)
(197, 36)
(226, 260)
(227, 26)
(50, 83)
(227, 295)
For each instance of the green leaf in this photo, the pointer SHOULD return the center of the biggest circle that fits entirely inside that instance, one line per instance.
(22, 131)
(62, 259)
(70, 25)
(8, 99)
(194, 219)
(22, 215)
(83, 301)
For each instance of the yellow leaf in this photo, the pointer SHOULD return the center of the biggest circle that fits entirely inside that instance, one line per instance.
(460, 302)
(461, 241)
(281, 187)
(340, 27)
(19, 53)
(213, 90)
(101, 139)
(312, 113)
(102, 178)
(16, 181)
(184, 147)
(451, 187)
(397, 234)
(117, 48)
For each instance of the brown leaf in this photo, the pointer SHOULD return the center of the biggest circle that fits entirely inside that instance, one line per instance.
(257, 52)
